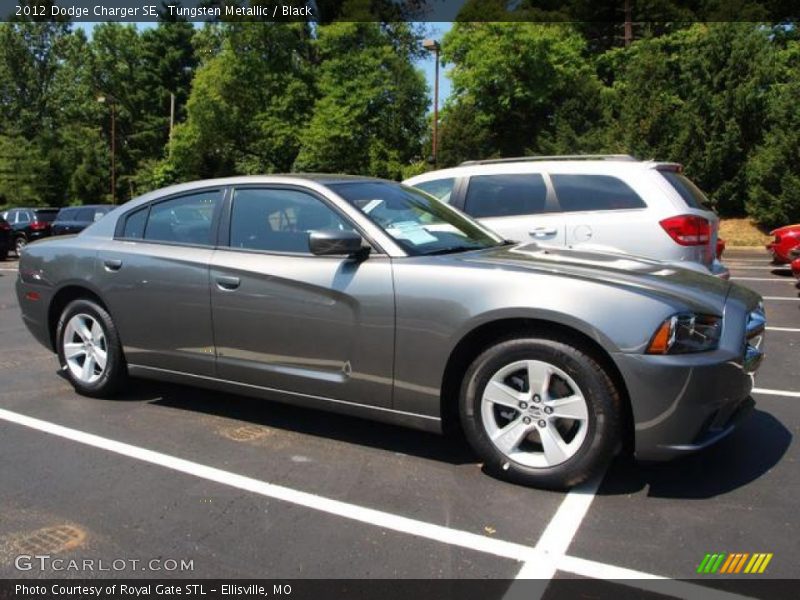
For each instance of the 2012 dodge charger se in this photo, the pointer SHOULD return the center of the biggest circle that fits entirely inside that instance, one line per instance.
(370, 298)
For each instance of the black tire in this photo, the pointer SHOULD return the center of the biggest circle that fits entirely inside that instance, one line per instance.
(3, 255)
(602, 400)
(115, 372)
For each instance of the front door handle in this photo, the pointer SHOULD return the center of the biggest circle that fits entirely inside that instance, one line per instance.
(543, 231)
(228, 283)
(112, 264)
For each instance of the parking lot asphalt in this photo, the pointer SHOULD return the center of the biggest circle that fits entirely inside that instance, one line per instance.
(247, 488)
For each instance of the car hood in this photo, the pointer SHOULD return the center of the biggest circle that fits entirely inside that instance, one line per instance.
(644, 275)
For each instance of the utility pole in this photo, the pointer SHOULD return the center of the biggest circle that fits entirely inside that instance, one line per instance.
(628, 24)
(433, 46)
(112, 105)
(171, 119)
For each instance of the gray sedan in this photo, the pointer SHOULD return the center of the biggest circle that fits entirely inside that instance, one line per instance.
(366, 297)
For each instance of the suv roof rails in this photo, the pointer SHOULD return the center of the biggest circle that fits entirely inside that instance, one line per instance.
(489, 161)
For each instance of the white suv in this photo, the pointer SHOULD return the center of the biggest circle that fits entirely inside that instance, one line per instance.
(596, 202)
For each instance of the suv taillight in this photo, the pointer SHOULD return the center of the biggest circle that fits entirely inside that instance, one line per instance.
(688, 230)
(4, 225)
(39, 225)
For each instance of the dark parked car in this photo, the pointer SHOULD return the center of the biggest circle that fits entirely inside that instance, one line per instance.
(5, 238)
(29, 224)
(74, 219)
(374, 299)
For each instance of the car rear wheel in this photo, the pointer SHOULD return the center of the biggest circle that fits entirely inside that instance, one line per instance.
(540, 412)
(89, 349)
(19, 245)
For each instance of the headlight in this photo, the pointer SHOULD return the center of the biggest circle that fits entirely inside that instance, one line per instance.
(686, 332)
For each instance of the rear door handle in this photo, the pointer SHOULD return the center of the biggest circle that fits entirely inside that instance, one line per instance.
(543, 231)
(228, 283)
(112, 264)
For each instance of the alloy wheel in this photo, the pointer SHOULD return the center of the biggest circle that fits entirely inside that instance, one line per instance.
(85, 348)
(534, 413)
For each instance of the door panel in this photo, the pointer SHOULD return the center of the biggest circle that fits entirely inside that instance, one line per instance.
(313, 325)
(158, 295)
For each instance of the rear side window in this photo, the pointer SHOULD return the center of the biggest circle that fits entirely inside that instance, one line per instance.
(66, 214)
(506, 195)
(184, 220)
(441, 189)
(134, 224)
(594, 192)
(690, 193)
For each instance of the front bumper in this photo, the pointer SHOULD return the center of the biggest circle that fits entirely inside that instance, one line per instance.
(684, 403)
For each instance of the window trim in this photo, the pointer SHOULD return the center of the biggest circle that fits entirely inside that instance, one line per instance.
(147, 206)
(562, 211)
(224, 230)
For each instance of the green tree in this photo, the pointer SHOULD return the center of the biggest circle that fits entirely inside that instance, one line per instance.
(369, 117)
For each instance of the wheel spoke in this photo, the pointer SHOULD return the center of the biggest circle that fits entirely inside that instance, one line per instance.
(96, 332)
(509, 437)
(73, 350)
(539, 377)
(500, 393)
(83, 331)
(100, 357)
(555, 449)
(571, 407)
(88, 367)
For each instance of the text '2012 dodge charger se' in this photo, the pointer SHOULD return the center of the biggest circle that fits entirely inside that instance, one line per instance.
(374, 299)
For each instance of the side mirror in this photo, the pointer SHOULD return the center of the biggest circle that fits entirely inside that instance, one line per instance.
(328, 242)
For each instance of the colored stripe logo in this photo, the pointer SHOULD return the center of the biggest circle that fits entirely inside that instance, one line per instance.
(734, 563)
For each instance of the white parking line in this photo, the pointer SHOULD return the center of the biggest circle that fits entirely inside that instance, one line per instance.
(776, 392)
(781, 279)
(789, 329)
(778, 298)
(554, 541)
(385, 520)
(767, 267)
(9, 270)
(556, 538)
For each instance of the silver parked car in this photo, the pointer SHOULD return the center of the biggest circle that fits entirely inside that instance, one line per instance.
(370, 298)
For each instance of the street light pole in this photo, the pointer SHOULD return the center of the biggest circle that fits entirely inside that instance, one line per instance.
(111, 101)
(433, 46)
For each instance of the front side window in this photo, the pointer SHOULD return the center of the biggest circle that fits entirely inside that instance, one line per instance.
(506, 195)
(441, 189)
(418, 223)
(279, 220)
(594, 192)
(183, 220)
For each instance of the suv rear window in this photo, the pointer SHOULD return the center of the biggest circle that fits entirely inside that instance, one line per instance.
(48, 216)
(506, 195)
(440, 189)
(594, 192)
(691, 194)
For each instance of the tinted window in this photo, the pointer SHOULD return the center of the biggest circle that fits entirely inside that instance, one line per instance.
(506, 195)
(48, 216)
(85, 215)
(184, 220)
(438, 188)
(279, 220)
(23, 216)
(134, 224)
(690, 193)
(418, 223)
(594, 192)
(66, 214)
(101, 212)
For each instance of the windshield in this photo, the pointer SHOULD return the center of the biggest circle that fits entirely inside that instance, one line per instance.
(418, 223)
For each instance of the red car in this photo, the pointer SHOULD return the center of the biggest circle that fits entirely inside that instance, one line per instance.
(786, 238)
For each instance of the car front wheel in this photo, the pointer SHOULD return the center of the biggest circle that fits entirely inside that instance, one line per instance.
(540, 412)
(89, 349)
